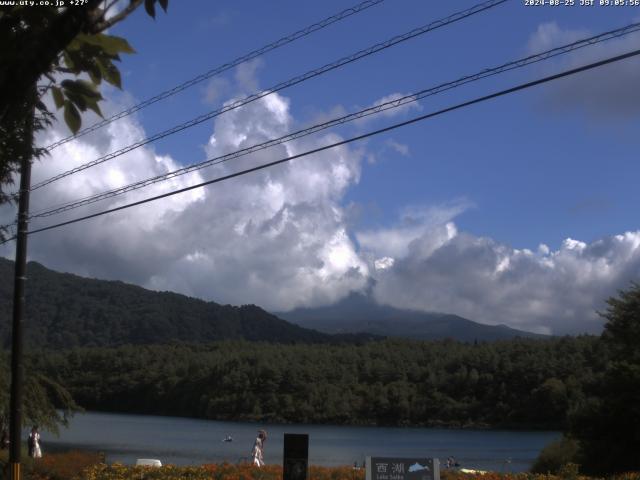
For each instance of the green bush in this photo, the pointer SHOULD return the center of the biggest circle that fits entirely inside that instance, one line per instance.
(556, 456)
(569, 471)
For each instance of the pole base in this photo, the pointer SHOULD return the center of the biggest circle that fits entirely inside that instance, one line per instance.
(15, 471)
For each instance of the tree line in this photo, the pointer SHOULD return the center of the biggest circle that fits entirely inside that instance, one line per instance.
(516, 384)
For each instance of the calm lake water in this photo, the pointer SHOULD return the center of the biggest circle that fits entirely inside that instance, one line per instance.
(185, 441)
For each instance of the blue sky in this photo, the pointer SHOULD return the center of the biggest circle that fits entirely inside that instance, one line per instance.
(518, 211)
(535, 173)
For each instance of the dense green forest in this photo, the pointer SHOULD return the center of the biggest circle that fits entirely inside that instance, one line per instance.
(517, 383)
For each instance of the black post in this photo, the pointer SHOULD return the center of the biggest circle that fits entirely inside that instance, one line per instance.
(295, 456)
(20, 277)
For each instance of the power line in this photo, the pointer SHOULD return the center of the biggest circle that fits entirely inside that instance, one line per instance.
(281, 86)
(222, 68)
(488, 72)
(350, 140)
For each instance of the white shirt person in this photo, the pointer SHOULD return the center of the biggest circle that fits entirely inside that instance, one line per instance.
(34, 443)
(258, 449)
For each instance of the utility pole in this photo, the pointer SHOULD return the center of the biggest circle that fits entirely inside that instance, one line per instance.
(20, 278)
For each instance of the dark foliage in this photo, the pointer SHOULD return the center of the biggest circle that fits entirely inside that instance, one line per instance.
(45, 402)
(65, 311)
(555, 456)
(517, 383)
(608, 425)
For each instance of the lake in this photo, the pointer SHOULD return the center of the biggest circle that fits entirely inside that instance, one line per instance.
(186, 441)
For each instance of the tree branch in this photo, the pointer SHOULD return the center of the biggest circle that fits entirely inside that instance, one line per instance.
(102, 26)
(38, 56)
(107, 7)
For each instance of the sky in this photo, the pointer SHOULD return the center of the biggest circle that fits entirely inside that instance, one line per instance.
(518, 211)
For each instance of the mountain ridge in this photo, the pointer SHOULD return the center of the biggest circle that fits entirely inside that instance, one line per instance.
(65, 310)
(360, 313)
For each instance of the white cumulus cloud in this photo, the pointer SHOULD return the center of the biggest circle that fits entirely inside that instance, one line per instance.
(276, 237)
(415, 223)
(479, 278)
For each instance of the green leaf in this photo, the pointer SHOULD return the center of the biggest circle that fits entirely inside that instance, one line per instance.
(164, 4)
(150, 7)
(72, 117)
(110, 44)
(58, 97)
(81, 87)
(95, 73)
(110, 72)
(77, 99)
(93, 105)
(76, 43)
(68, 60)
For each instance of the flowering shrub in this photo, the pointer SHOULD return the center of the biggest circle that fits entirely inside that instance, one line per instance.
(89, 466)
(118, 471)
(335, 473)
(244, 471)
(224, 471)
(627, 476)
(63, 466)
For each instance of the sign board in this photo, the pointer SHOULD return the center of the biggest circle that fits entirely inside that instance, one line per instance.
(296, 457)
(392, 468)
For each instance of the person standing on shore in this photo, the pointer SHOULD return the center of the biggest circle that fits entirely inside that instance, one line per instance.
(258, 448)
(34, 443)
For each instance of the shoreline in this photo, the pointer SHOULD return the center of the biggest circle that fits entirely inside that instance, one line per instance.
(189, 441)
(433, 425)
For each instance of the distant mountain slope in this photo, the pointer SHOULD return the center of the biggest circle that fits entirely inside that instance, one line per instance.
(65, 310)
(360, 313)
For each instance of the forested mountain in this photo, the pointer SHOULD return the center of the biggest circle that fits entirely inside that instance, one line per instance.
(65, 310)
(360, 313)
(518, 383)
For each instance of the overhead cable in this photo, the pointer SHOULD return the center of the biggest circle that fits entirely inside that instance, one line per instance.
(420, 118)
(281, 86)
(488, 72)
(221, 69)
